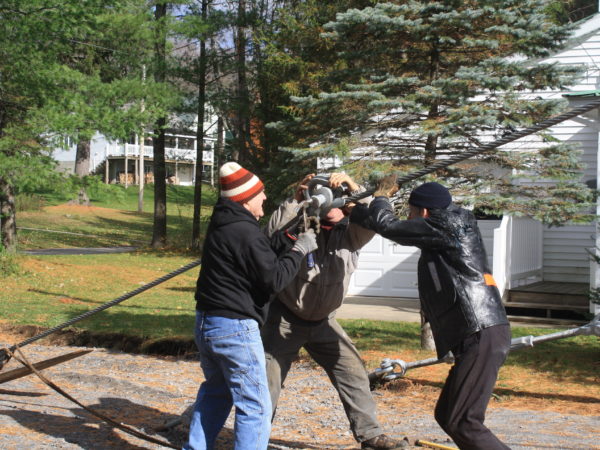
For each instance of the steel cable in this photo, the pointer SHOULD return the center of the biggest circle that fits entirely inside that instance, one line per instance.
(409, 177)
(108, 304)
(487, 147)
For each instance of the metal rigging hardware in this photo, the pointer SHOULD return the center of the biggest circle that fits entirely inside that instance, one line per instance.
(386, 372)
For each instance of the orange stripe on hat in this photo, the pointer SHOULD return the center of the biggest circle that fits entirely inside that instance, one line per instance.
(234, 181)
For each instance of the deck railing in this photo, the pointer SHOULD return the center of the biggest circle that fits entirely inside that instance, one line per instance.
(172, 153)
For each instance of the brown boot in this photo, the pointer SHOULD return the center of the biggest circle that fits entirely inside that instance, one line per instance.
(383, 442)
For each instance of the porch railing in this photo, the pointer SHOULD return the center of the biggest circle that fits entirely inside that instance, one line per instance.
(177, 154)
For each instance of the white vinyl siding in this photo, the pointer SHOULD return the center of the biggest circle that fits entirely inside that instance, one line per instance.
(565, 255)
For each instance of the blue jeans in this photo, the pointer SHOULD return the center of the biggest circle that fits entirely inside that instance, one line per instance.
(233, 361)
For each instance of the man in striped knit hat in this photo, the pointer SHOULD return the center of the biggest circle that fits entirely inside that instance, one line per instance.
(239, 274)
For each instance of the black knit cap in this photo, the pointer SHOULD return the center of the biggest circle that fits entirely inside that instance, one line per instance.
(430, 195)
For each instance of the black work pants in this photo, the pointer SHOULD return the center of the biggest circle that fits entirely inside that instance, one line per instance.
(460, 410)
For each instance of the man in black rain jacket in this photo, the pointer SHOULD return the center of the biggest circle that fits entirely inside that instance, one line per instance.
(458, 297)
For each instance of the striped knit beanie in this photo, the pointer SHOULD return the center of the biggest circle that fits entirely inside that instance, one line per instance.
(238, 184)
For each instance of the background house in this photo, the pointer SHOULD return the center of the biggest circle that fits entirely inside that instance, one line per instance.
(117, 162)
(535, 266)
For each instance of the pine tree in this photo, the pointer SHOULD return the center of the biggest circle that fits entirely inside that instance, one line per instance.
(422, 81)
(35, 41)
(294, 60)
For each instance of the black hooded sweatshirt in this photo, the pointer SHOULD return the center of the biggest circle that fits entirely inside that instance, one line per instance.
(240, 272)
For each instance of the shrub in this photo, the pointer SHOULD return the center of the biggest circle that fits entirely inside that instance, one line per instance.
(8, 263)
(29, 202)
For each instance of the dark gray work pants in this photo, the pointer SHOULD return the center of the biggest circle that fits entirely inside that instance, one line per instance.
(327, 343)
(460, 410)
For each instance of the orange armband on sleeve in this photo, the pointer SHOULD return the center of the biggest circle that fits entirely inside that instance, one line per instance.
(489, 279)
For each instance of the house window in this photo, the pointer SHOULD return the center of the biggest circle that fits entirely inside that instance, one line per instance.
(186, 143)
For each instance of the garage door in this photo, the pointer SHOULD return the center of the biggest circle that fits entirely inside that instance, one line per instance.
(386, 269)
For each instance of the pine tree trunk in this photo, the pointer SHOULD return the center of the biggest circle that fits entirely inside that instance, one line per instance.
(200, 138)
(82, 158)
(159, 231)
(8, 222)
(427, 342)
(243, 120)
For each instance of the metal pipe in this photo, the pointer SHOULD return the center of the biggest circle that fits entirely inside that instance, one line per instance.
(386, 370)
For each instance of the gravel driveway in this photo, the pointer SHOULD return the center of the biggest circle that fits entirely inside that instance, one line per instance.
(147, 391)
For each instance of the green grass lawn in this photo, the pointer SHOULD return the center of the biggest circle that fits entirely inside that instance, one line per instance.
(114, 221)
(53, 289)
(50, 290)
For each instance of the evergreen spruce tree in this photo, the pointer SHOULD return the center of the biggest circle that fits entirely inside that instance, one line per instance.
(295, 60)
(422, 81)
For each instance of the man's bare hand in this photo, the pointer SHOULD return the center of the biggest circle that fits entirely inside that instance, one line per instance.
(338, 178)
(387, 187)
(299, 195)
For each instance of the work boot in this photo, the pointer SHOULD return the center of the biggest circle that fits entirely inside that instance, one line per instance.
(383, 442)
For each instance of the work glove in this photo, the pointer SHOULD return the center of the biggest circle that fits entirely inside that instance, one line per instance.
(387, 187)
(306, 243)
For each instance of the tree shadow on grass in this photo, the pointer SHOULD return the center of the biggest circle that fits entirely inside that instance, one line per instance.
(97, 302)
(182, 289)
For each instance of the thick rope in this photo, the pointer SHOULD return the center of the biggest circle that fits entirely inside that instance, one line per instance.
(487, 147)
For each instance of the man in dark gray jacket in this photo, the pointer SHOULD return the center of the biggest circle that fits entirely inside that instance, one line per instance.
(459, 298)
(303, 315)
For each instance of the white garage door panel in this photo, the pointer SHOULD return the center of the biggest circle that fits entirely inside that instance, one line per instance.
(374, 246)
(386, 269)
(365, 277)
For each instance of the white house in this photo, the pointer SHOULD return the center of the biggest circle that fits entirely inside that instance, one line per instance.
(530, 261)
(120, 160)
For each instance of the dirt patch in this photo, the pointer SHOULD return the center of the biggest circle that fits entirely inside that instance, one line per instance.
(517, 388)
(81, 209)
(70, 301)
(112, 341)
(148, 391)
